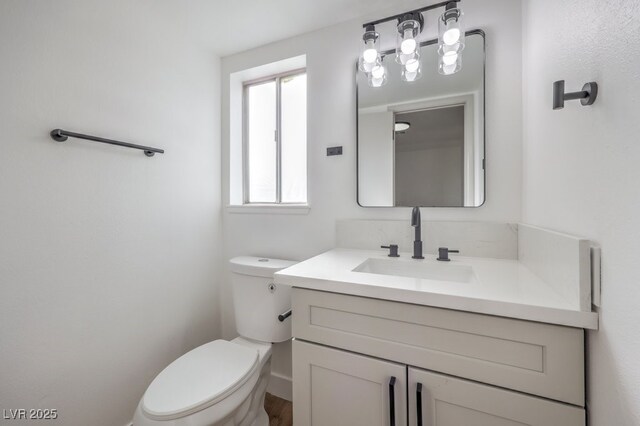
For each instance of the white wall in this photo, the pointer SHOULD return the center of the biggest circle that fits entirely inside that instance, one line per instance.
(108, 259)
(582, 169)
(331, 54)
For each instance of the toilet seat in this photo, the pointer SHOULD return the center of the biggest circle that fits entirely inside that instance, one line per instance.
(199, 379)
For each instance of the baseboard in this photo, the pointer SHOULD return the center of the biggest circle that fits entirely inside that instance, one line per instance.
(280, 386)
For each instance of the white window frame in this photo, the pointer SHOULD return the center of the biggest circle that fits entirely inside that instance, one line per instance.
(277, 78)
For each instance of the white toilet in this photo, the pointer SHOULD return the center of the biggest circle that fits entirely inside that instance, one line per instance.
(223, 383)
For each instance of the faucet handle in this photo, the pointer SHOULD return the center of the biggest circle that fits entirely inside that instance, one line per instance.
(443, 254)
(393, 250)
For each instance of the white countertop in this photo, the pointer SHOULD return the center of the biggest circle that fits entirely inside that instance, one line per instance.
(504, 288)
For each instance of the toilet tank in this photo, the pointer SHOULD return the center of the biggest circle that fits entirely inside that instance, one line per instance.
(257, 301)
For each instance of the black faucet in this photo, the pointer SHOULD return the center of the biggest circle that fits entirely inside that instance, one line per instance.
(417, 243)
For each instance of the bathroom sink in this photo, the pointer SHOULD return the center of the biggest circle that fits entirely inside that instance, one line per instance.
(429, 270)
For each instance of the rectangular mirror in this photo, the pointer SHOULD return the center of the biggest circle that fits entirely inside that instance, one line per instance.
(422, 143)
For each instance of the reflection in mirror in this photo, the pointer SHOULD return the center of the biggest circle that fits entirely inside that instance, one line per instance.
(422, 143)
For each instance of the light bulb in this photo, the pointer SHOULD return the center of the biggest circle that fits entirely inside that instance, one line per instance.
(448, 69)
(408, 45)
(377, 71)
(411, 71)
(450, 58)
(411, 76)
(377, 82)
(412, 65)
(450, 63)
(370, 55)
(451, 36)
(378, 75)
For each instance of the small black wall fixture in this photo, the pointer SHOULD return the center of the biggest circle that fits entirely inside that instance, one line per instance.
(60, 135)
(587, 95)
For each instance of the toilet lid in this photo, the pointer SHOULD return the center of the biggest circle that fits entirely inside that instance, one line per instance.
(199, 379)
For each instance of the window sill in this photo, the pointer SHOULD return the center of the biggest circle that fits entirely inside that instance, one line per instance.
(269, 208)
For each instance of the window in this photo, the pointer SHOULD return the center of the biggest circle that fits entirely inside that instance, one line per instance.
(275, 139)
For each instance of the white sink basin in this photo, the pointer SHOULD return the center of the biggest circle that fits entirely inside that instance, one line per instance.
(422, 269)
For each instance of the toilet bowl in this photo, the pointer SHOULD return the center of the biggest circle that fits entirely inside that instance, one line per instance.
(223, 383)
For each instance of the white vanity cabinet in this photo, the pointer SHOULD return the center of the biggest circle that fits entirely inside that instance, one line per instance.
(472, 369)
(335, 387)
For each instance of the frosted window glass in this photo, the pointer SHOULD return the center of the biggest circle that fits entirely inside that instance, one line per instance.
(293, 121)
(262, 145)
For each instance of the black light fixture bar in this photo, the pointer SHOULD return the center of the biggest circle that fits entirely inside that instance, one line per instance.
(60, 135)
(400, 15)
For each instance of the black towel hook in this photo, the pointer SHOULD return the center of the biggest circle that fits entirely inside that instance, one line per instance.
(587, 95)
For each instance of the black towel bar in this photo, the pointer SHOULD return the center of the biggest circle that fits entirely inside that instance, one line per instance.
(60, 135)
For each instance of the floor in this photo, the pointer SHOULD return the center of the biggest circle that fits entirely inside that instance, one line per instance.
(280, 411)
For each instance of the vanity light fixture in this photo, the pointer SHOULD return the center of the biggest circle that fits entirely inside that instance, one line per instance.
(407, 47)
(370, 60)
(450, 40)
(410, 25)
(370, 55)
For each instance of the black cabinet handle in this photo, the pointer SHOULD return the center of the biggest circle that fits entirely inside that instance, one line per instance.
(392, 401)
(419, 403)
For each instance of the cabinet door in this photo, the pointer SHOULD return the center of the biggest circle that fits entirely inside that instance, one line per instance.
(338, 388)
(439, 400)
